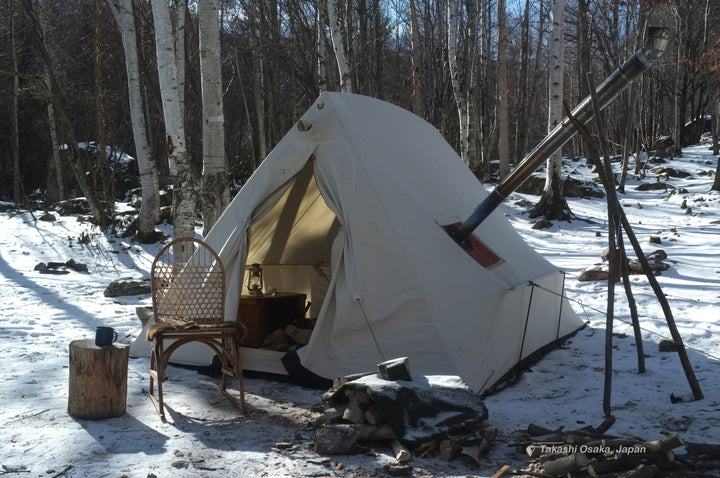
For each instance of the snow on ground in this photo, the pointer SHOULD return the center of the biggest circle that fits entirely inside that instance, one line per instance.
(205, 436)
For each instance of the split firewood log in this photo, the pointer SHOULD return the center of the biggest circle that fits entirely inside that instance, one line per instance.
(341, 438)
(605, 467)
(706, 449)
(665, 444)
(428, 448)
(449, 449)
(643, 471)
(566, 464)
(402, 455)
(358, 402)
(333, 414)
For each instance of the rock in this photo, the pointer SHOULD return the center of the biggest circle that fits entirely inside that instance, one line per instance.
(593, 273)
(49, 217)
(542, 223)
(571, 187)
(574, 188)
(655, 240)
(76, 266)
(128, 286)
(71, 206)
(656, 186)
(655, 266)
(657, 255)
(668, 346)
(670, 172)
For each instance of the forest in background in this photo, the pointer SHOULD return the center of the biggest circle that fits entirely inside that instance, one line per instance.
(441, 59)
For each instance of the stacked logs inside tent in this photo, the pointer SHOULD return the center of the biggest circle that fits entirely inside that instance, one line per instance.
(582, 454)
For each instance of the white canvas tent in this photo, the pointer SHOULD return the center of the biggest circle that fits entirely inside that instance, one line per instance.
(348, 209)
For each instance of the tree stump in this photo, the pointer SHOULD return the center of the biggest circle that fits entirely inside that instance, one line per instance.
(98, 379)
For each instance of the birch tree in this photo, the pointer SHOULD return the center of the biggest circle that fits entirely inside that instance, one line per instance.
(339, 46)
(461, 76)
(503, 91)
(149, 214)
(552, 203)
(172, 91)
(214, 186)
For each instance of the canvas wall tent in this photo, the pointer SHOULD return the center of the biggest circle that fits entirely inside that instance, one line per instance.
(348, 209)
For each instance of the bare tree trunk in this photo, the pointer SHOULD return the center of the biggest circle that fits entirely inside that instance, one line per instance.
(552, 203)
(416, 61)
(103, 176)
(524, 85)
(716, 132)
(484, 113)
(677, 96)
(215, 192)
(258, 87)
(172, 92)
(78, 166)
(15, 133)
(57, 167)
(339, 47)
(149, 185)
(503, 91)
(322, 22)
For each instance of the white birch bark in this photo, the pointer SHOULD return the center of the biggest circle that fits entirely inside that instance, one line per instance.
(461, 99)
(339, 47)
(179, 36)
(172, 92)
(553, 177)
(214, 186)
(150, 209)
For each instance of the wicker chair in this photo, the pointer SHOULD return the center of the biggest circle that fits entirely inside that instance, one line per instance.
(188, 293)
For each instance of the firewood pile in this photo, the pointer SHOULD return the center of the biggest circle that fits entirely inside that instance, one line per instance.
(360, 411)
(584, 453)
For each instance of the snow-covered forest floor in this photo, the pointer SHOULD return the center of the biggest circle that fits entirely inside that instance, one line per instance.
(205, 436)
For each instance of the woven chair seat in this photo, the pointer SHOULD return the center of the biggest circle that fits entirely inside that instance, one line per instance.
(192, 327)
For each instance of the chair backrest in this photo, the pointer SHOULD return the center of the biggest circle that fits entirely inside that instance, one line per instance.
(188, 282)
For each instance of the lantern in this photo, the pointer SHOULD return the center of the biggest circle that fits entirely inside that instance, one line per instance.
(255, 281)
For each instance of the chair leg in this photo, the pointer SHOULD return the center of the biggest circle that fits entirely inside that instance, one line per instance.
(157, 374)
(237, 366)
(231, 366)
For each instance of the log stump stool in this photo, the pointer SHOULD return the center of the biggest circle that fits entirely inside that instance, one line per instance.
(98, 379)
